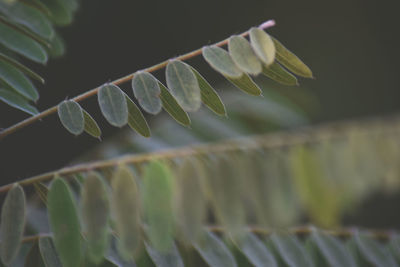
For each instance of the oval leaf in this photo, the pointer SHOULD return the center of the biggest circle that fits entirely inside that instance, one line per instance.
(221, 61)
(64, 223)
(279, 74)
(263, 45)
(243, 55)
(172, 107)
(136, 119)
(34, 259)
(183, 85)
(158, 205)
(91, 126)
(113, 105)
(209, 96)
(147, 91)
(291, 61)
(17, 101)
(171, 258)
(21, 67)
(71, 116)
(12, 223)
(256, 252)
(95, 215)
(214, 252)
(246, 84)
(48, 252)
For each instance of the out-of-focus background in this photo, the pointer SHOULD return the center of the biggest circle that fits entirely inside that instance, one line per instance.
(351, 46)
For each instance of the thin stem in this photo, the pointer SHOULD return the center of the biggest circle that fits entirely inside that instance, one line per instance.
(119, 81)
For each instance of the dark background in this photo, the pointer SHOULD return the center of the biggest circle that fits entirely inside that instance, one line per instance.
(352, 46)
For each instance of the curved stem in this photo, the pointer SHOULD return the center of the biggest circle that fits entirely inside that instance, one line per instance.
(124, 79)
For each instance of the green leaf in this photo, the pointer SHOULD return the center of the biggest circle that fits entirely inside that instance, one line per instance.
(42, 191)
(291, 250)
(16, 80)
(21, 43)
(147, 91)
(279, 74)
(136, 119)
(126, 208)
(243, 55)
(183, 85)
(60, 14)
(246, 84)
(113, 105)
(209, 96)
(395, 246)
(221, 61)
(291, 61)
(263, 45)
(172, 107)
(256, 252)
(49, 253)
(334, 252)
(17, 101)
(28, 16)
(214, 252)
(170, 258)
(95, 215)
(64, 223)
(373, 252)
(71, 116)
(22, 68)
(12, 223)
(158, 205)
(57, 46)
(34, 259)
(91, 126)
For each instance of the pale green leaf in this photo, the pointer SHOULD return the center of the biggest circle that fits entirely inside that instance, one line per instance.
(170, 258)
(48, 252)
(71, 116)
(246, 84)
(243, 55)
(256, 252)
(95, 215)
(209, 96)
(158, 205)
(279, 74)
(214, 252)
(113, 105)
(34, 259)
(17, 101)
(16, 80)
(21, 67)
(172, 107)
(263, 45)
(136, 119)
(59, 13)
(91, 126)
(221, 61)
(57, 46)
(42, 191)
(64, 223)
(12, 223)
(147, 91)
(395, 246)
(126, 208)
(291, 61)
(183, 85)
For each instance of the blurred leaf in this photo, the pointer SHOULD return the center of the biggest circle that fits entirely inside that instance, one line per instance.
(243, 55)
(57, 46)
(48, 252)
(12, 223)
(113, 105)
(291, 61)
(41, 191)
(183, 85)
(136, 119)
(263, 45)
(17, 101)
(95, 215)
(221, 61)
(214, 252)
(170, 258)
(209, 96)
(91, 126)
(71, 116)
(16, 80)
(279, 74)
(60, 14)
(256, 252)
(172, 107)
(64, 223)
(126, 208)
(19, 66)
(246, 84)
(34, 258)
(158, 205)
(395, 246)
(147, 91)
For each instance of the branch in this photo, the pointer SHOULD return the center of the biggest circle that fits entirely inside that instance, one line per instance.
(92, 92)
